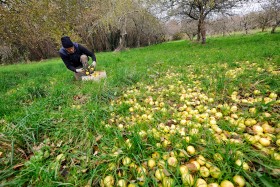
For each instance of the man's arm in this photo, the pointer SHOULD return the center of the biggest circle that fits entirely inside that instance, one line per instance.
(67, 63)
(87, 52)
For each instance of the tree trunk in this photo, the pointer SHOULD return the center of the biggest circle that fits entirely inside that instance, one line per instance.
(190, 36)
(198, 30)
(274, 27)
(246, 28)
(203, 31)
(122, 39)
(138, 40)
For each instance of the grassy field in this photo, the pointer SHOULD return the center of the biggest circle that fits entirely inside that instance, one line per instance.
(172, 114)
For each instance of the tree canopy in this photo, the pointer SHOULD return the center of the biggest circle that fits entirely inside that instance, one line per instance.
(31, 30)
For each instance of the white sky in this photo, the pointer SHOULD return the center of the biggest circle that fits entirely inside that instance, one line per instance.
(249, 7)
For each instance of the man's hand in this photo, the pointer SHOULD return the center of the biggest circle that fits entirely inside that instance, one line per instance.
(79, 70)
(93, 64)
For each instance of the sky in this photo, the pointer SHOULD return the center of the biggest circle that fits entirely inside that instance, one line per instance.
(251, 6)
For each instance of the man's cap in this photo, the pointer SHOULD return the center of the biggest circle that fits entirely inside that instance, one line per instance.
(66, 42)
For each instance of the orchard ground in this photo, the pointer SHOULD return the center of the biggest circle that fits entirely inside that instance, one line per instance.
(172, 114)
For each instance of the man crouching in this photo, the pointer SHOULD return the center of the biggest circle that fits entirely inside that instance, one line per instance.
(76, 57)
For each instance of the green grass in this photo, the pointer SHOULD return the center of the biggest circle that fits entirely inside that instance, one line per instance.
(45, 113)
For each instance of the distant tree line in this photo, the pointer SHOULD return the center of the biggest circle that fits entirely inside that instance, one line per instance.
(226, 23)
(31, 30)
(266, 18)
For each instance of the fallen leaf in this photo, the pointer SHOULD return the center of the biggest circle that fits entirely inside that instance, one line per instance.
(64, 172)
(59, 157)
(141, 179)
(59, 144)
(39, 147)
(166, 173)
(98, 138)
(275, 172)
(18, 166)
(184, 152)
(95, 153)
(95, 148)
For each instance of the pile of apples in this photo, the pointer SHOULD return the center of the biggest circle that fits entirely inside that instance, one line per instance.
(186, 112)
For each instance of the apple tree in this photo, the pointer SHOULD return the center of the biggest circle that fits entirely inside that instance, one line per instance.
(199, 10)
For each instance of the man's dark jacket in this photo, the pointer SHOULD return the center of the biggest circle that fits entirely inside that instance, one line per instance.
(72, 61)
